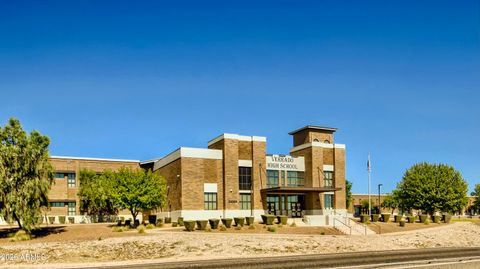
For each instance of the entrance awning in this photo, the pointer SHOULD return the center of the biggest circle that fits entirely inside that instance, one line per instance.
(299, 189)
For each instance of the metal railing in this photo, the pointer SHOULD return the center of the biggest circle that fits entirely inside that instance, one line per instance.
(344, 224)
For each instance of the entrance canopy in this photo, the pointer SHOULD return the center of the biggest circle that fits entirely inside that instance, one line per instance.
(299, 189)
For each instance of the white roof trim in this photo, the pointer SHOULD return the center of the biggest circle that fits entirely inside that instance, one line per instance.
(93, 159)
(184, 152)
(237, 137)
(318, 144)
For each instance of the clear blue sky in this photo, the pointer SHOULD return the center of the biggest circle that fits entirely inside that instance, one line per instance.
(122, 80)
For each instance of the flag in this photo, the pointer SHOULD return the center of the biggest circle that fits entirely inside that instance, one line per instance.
(369, 165)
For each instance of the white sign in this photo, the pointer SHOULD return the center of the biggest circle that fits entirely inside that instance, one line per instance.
(285, 162)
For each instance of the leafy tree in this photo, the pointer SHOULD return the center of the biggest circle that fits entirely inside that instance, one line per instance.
(348, 193)
(26, 175)
(432, 187)
(476, 193)
(96, 193)
(139, 190)
(390, 201)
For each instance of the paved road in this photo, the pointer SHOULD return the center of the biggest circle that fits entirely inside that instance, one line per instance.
(458, 258)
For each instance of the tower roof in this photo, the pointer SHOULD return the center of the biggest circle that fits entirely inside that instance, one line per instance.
(314, 127)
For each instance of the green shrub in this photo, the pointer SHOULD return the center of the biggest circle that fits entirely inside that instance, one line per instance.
(271, 228)
(202, 224)
(208, 229)
(397, 218)
(51, 219)
(293, 224)
(251, 227)
(168, 220)
(61, 219)
(239, 221)
(227, 222)
(141, 229)
(385, 217)
(180, 221)
(279, 225)
(250, 220)
(238, 227)
(375, 217)
(427, 221)
(282, 219)
(21, 235)
(159, 223)
(411, 219)
(119, 229)
(268, 219)
(447, 218)
(174, 224)
(364, 218)
(223, 228)
(423, 218)
(436, 218)
(214, 223)
(189, 225)
(71, 220)
(150, 226)
(402, 223)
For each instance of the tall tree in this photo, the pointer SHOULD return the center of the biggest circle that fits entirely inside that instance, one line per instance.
(476, 193)
(432, 187)
(26, 175)
(348, 193)
(390, 201)
(97, 193)
(139, 190)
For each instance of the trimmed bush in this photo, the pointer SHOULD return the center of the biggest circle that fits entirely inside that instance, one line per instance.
(402, 223)
(174, 224)
(436, 219)
(141, 229)
(61, 219)
(189, 225)
(238, 228)
(423, 218)
(51, 220)
(223, 228)
(159, 223)
(71, 220)
(271, 228)
(447, 218)
(397, 218)
(250, 220)
(168, 220)
(268, 219)
(214, 223)
(251, 227)
(21, 235)
(293, 224)
(239, 222)
(227, 222)
(201, 224)
(120, 229)
(364, 218)
(411, 219)
(375, 217)
(150, 226)
(385, 217)
(282, 219)
(180, 221)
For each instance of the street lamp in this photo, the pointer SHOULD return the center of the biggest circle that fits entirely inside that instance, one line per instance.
(379, 186)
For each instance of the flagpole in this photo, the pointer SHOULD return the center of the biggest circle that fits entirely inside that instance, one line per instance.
(369, 167)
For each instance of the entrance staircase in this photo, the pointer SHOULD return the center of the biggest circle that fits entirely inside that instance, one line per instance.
(350, 227)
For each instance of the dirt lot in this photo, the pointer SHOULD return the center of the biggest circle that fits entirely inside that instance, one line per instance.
(391, 227)
(168, 245)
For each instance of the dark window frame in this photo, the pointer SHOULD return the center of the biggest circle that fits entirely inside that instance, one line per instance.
(210, 200)
(272, 178)
(245, 204)
(244, 178)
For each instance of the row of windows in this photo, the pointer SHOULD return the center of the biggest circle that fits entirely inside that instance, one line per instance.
(210, 201)
(71, 206)
(71, 178)
(295, 178)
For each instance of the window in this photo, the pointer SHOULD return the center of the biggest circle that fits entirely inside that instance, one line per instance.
(245, 178)
(210, 201)
(272, 178)
(282, 179)
(245, 201)
(326, 142)
(328, 178)
(328, 201)
(71, 209)
(60, 175)
(57, 204)
(295, 179)
(71, 180)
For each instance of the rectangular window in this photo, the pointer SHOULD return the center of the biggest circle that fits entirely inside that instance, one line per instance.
(328, 201)
(245, 178)
(60, 175)
(71, 180)
(295, 179)
(210, 200)
(328, 179)
(272, 178)
(245, 201)
(71, 209)
(57, 204)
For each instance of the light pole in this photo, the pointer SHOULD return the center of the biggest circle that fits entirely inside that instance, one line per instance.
(379, 186)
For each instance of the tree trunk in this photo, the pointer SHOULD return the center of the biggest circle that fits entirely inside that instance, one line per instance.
(18, 221)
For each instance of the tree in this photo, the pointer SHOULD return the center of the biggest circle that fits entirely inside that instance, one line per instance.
(390, 201)
(97, 193)
(432, 187)
(348, 193)
(476, 193)
(26, 175)
(139, 190)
